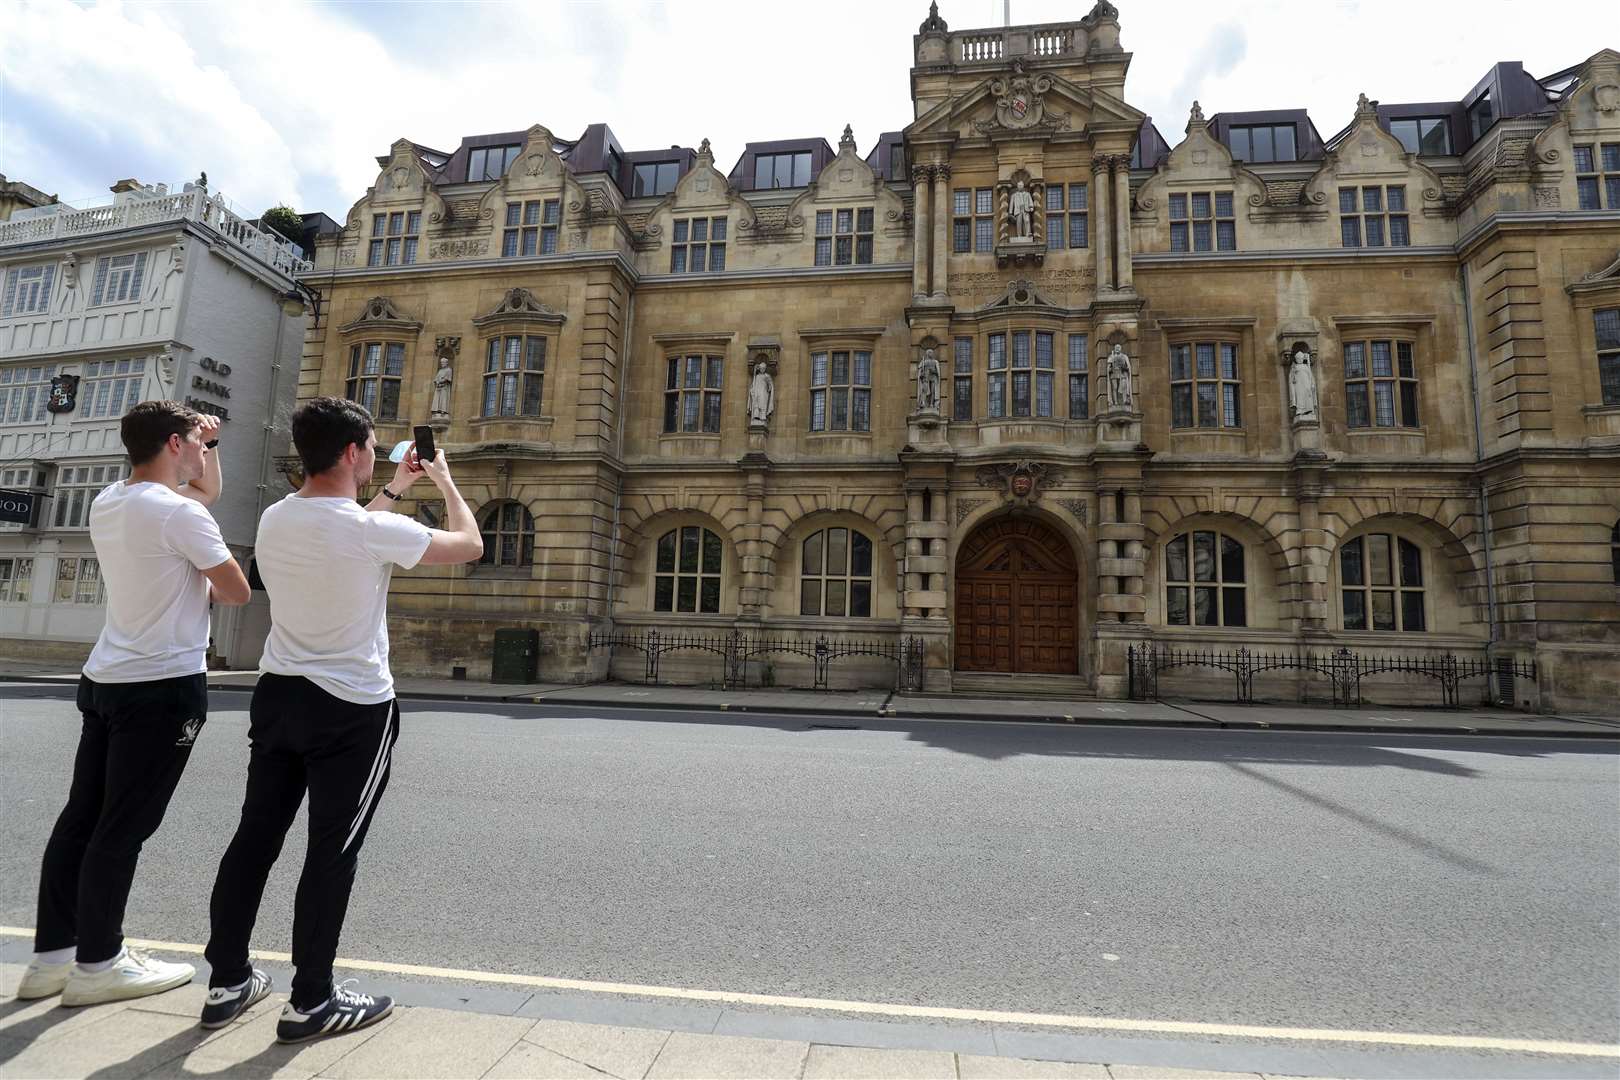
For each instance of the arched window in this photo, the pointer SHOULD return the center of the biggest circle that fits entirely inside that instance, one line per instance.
(835, 574)
(1204, 581)
(1381, 583)
(508, 530)
(686, 575)
(1614, 550)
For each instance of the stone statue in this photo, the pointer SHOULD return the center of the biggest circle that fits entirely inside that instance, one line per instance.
(1302, 387)
(928, 383)
(1119, 379)
(440, 407)
(761, 396)
(1021, 211)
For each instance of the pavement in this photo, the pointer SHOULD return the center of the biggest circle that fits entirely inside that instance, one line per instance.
(877, 702)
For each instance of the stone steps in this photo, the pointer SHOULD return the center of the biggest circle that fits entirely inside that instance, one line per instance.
(1021, 685)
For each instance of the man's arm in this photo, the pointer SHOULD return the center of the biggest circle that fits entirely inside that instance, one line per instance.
(460, 542)
(408, 473)
(206, 488)
(228, 584)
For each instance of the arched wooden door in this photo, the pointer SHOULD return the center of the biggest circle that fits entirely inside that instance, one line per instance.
(1017, 600)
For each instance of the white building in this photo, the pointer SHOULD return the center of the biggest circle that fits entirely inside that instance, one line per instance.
(158, 294)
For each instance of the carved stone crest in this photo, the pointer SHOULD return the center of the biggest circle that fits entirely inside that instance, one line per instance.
(1021, 481)
(1021, 103)
(1607, 97)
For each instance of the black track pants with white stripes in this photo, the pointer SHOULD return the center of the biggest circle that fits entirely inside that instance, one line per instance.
(302, 738)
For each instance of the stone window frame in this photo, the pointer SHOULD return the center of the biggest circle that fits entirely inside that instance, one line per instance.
(28, 290)
(532, 223)
(699, 574)
(848, 580)
(1597, 170)
(521, 531)
(108, 386)
(496, 373)
(1068, 206)
(828, 385)
(1398, 588)
(118, 281)
(973, 221)
(844, 235)
(1224, 587)
(1405, 394)
(1360, 211)
(707, 391)
(1001, 377)
(1228, 396)
(687, 248)
(962, 378)
(16, 579)
(394, 238)
(358, 376)
(18, 407)
(1183, 210)
(1079, 372)
(1608, 355)
(73, 573)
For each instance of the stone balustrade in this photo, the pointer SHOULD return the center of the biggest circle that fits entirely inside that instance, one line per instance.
(1000, 43)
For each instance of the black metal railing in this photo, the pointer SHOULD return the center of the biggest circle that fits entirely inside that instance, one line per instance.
(737, 650)
(1343, 669)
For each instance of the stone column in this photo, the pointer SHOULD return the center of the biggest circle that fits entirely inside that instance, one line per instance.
(1101, 238)
(942, 230)
(755, 579)
(920, 177)
(1122, 222)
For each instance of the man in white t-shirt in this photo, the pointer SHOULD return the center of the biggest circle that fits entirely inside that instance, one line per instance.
(324, 717)
(143, 696)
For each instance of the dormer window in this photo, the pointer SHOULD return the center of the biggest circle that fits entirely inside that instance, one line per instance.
(490, 162)
(781, 170)
(655, 178)
(1481, 115)
(1259, 143)
(1429, 136)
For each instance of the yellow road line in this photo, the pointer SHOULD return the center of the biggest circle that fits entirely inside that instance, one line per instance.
(930, 1012)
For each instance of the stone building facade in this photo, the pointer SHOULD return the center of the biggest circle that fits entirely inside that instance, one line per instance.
(1024, 380)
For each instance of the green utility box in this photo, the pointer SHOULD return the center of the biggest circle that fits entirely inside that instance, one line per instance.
(517, 656)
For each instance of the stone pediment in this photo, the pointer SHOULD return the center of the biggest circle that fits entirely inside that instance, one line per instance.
(1021, 293)
(1026, 103)
(519, 306)
(380, 314)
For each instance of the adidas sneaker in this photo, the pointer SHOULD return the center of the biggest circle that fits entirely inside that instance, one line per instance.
(226, 1003)
(346, 1010)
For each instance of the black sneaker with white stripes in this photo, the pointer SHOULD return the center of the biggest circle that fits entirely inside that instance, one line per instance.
(346, 1010)
(226, 1003)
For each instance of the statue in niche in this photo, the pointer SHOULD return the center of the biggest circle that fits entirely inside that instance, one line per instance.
(928, 383)
(1302, 387)
(1021, 212)
(440, 406)
(761, 396)
(1118, 372)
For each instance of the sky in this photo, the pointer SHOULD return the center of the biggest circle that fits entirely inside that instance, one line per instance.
(291, 101)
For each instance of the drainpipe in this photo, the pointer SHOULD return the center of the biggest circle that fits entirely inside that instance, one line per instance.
(1479, 457)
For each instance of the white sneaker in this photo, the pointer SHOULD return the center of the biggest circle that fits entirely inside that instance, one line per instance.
(42, 980)
(133, 974)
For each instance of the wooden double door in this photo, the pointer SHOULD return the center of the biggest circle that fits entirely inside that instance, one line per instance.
(1017, 600)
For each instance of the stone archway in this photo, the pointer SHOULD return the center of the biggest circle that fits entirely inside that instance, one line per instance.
(1017, 599)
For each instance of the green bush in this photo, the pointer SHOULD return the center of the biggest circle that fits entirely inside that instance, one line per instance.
(284, 220)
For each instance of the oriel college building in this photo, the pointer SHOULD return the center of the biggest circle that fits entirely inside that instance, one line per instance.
(1028, 381)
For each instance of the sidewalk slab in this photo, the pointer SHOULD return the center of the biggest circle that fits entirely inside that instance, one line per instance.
(842, 1062)
(975, 1067)
(424, 1043)
(249, 1048)
(728, 1057)
(526, 1061)
(122, 1044)
(617, 1051)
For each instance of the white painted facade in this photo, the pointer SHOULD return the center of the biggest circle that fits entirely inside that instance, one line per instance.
(157, 295)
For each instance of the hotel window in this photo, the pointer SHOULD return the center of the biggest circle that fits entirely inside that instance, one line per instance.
(110, 387)
(1362, 222)
(692, 387)
(841, 391)
(1606, 323)
(687, 572)
(394, 238)
(962, 381)
(508, 532)
(698, 245)
(78, 581)
(1381, 583)
(835, 574)
(1204, 582)
(654, 178)
(1066, 226)
(490, 162)
(118, 278)
(844, 237)
(973, 225)
(24, 392)
(1079, 377)
(16, 580)
(514, 375)
(1205, 390)
(781, 170)
(375, 369)
(1204, 220)
(28, 290)
(76, 488)
(1429, 136)
(1597, 169)
(1380, 384)
(1260, 143)
(532, 227)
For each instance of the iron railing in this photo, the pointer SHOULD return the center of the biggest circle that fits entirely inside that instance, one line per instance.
(1343, 669)
(737, 649)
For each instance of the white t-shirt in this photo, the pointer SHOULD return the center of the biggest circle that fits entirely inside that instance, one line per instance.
(153, 544)
(326, 564)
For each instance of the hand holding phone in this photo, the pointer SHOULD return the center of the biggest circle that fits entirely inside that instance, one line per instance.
(424, 444)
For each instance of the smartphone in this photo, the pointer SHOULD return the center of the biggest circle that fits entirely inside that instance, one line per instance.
(424, 443)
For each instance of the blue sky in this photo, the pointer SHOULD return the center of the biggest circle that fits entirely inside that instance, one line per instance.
(292, 101)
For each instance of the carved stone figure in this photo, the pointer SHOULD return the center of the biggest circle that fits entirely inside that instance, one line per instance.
(761, 396)
(1021, 211)
(1302, 387)
(440, 406)
(70, 270)
(1119, 379)
(928, 383)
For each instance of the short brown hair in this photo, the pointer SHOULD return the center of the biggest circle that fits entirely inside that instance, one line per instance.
(324, 427)
(147, 427)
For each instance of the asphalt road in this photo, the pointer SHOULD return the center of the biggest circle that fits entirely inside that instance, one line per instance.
(1386, 882)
